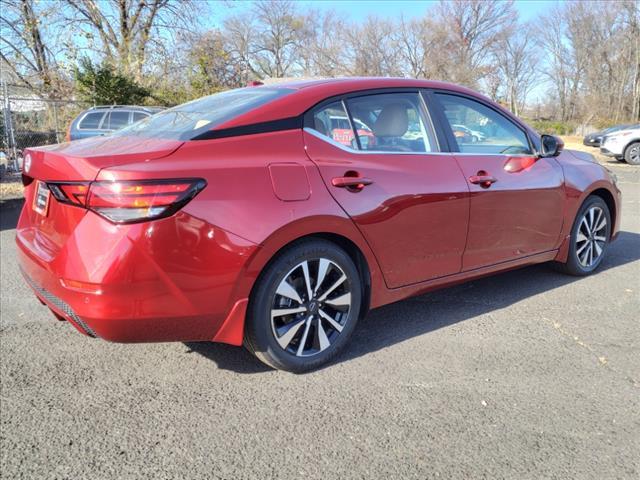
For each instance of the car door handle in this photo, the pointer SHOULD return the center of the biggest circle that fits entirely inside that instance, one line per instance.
(352, 183)
(483, 179)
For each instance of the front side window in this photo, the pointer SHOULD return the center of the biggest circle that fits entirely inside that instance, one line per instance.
(191, 119)
(91, 121)
(480, 129)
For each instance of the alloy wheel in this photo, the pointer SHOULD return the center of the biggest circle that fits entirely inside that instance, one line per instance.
(634, 154)
(591, 237)
(310, 307)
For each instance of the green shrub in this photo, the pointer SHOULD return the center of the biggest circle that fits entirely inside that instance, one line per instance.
(103, 85)
(553, 127)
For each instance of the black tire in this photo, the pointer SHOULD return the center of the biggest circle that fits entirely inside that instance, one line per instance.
(260, 336)
(621, 159)
(573, 265)
(632, 154)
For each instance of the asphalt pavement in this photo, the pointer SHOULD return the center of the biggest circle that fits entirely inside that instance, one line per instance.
(527, 374)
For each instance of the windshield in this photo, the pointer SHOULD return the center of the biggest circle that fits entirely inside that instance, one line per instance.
(189, 120)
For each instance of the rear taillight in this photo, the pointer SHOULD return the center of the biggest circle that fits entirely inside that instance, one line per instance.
(129, 201)
(70, 193)
(136, 201)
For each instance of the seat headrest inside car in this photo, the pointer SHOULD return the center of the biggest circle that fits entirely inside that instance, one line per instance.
(320, 126)
(393, 121)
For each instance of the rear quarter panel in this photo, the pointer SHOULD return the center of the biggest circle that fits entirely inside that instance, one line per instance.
(242, 198)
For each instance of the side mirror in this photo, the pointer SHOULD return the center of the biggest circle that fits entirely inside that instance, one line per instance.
(551, 146)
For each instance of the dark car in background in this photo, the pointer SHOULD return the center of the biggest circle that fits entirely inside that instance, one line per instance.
(105, 119)
(595, 139)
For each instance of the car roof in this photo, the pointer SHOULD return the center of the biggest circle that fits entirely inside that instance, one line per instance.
(135, 108)
(306, 93)
(364, 82)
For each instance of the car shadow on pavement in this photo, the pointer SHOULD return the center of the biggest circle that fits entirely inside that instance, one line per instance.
(10, 212)
(425, 313)
(228, 357)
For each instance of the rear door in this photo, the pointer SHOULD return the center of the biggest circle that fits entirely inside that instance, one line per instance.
(516, 199)
(409, 201)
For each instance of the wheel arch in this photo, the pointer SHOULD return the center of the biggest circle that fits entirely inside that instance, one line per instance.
(609, 199)
(356, 256)
(338, 230)
(340, 240)
(601, 190)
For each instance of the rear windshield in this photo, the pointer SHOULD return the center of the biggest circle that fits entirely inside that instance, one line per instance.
(191, 119)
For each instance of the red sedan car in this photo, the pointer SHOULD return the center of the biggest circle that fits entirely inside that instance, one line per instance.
(239, 217)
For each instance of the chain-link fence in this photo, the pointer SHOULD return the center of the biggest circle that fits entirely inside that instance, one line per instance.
(29, 121)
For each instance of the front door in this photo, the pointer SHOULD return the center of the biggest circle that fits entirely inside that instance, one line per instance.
(516, 199)
(410, 202)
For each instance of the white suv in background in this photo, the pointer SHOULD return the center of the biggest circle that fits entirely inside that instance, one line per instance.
(623, 144)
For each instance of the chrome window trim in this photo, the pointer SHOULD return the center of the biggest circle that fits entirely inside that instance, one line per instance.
(332, 142)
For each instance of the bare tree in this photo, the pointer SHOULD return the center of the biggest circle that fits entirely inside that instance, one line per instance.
(590, 55)
(23, 48)
(632, 28)
(559, 66)
(239, 35)
(277, 42)
(210, 67)
(412, 38)
(515, 59)
(469, 29)
(126, 29)
(372, 48)
(324, 45)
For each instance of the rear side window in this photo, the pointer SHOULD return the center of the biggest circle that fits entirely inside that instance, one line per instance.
(391, 122)
(191, 119)
(91, 121)
(332, 122)
(480, 129)
(117, 120)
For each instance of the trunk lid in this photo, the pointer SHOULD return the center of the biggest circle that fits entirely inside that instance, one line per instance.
(83, 159)
(44, 232)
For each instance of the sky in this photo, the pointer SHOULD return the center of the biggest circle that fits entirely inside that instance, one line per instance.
(355, 9)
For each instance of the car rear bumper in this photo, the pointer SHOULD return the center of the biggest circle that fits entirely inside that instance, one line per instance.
(170, 280)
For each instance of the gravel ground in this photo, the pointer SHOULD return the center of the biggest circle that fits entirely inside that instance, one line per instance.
(10, 186)
(528, 374)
